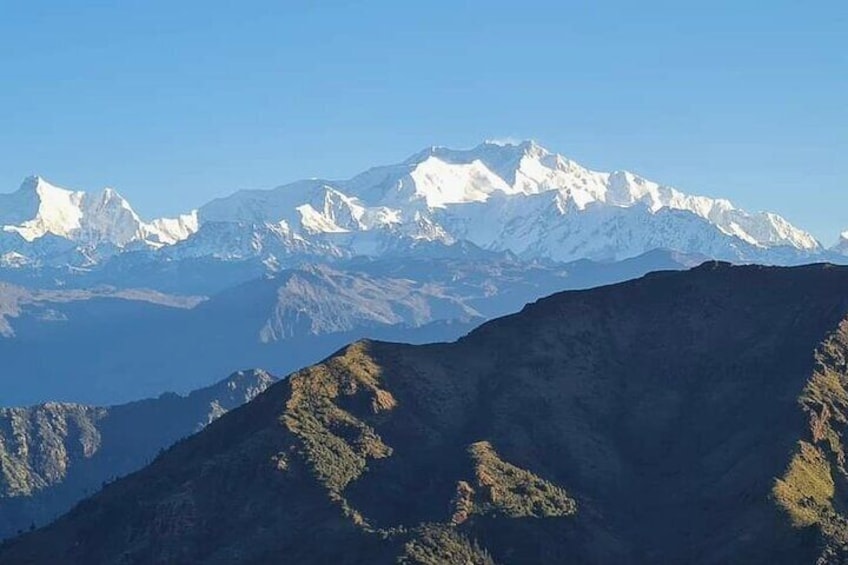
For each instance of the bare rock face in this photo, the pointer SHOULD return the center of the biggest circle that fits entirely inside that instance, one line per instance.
(685, 417)
(53, 455)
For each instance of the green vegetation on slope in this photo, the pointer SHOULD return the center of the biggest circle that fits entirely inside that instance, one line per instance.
(514, 492)
(806, 490)
(337, 443)
(438, 545)
(815, 482)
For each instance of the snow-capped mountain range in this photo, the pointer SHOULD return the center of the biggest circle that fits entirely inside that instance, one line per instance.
(42, 222)
(519, 198)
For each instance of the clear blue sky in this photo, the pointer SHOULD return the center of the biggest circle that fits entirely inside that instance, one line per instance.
(176, 102)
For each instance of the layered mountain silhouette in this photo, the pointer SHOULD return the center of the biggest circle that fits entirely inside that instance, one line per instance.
(53, 455)
(684, 417)
(110, 345)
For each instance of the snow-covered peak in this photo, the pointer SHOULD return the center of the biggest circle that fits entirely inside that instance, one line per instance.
(439, 182)
(39, 208)
(841, 246)
(487, 151)
(168, 231)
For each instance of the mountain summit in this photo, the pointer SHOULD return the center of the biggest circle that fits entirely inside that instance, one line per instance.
(685, 417)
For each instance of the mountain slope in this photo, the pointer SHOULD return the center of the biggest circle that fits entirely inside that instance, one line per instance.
(52, 455)
(683, 417)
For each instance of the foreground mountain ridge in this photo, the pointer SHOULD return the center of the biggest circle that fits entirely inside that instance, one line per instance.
(520, 198)
(691, 416)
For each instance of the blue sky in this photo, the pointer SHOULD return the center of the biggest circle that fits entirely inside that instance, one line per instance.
(174, 103)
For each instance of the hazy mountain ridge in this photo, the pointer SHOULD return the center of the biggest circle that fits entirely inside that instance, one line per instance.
(108, 349)
(682, 417)
(45, 305)
(54, 454)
